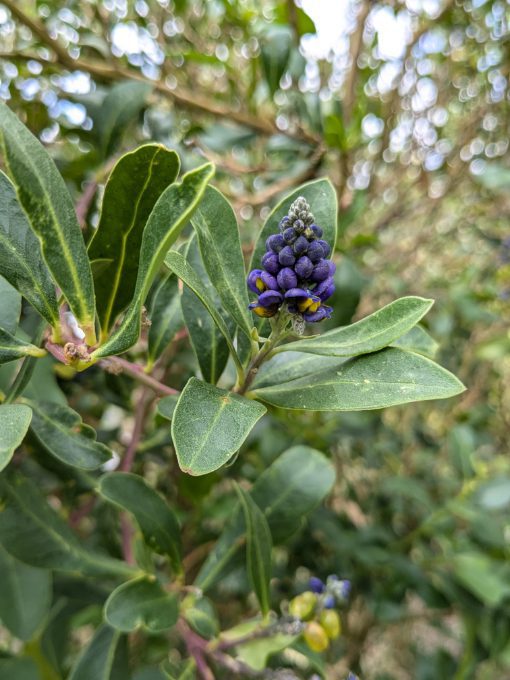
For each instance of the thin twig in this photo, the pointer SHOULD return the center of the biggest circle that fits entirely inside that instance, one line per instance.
(137, 372)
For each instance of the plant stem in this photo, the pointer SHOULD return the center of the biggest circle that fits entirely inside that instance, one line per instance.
(137, 372)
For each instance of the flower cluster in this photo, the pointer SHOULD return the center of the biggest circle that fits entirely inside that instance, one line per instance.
(296, 272)
(317, 608)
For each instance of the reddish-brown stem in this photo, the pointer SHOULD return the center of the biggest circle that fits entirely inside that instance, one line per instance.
(141, 411)
(119, 365)
(84, 202)
(196, 646)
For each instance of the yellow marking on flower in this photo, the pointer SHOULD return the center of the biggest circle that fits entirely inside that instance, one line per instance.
(263, 311)
(260, 285)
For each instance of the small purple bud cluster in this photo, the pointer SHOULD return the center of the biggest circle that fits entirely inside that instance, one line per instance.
(334, 592)
(296, 271)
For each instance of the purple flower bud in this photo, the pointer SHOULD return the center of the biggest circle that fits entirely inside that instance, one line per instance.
(320, 271)
(315, 251)
(299, 226)
(275, 243)
(287, 278)
(270, 263)
(297, 294)
(301, 245)
(285, 223)
(329, 602)
(286, 256)
(254, 281)
(346, 588)
(269, 298)
(324, 312)
(316, 230)
(269, 281)
(325, 247)
(265, 312)
(303, 267)
(316, 585)
(325, 289)
(290, 235)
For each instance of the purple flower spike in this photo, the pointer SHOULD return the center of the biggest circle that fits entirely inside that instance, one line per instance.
(275, 243)
(320, 271)
(270, 298)
(269, 281)
(316, 585)
(286, 257)
(290, 235)
(301, 245)
(315, 251)
(303, 267)
(287, 278)
(325, 289)
(285, 223)
(254, 281)
(326, 248)
(270, 263)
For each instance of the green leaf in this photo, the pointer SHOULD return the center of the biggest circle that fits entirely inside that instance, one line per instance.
(18, 669)
(44, 197)
(25, 596)
(208, 342)
(368, 335)
(14, 423)
(63, 434)
(34, 533)
(386, 378)
(11, 348)
(166, 317)
(21, 261)
(486, 578)
(286, 492)
(141, 603)
(158, 523)
(210, 425)
(133, 188)
(169, 216)
(216, 227)
(417, 340)
(257, 652)
(202, 618)
(121, 105)
(10, 304)
(321, 196)
(105, 657)
(290, 365)
(176, 262)
(258, 549)
(166, 406)
(275, 51)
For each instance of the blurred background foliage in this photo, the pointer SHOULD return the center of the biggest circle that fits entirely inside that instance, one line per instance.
(405, 106)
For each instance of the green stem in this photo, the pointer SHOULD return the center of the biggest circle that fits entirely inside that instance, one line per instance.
(27, 367)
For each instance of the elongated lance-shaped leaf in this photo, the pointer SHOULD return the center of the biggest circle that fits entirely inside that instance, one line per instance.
(372, 333)
(35, 534)
(419, 341)
(166, 221)
(10, 306)
(21, 261)
(158, 523)
(288, 366)
(216, 227)
(166, 317)
(209, 425)
(209, 344)
(386, 378)
(321, 196)
(177, 263)
(14, 423)
(134, 185)
(258, 548)
(46, 201)
(11, 348)
(63, 434)
(104, 658)
(141, 603)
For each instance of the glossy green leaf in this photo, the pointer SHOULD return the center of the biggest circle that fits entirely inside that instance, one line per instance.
(63, 434)
(133, 188)
(275, 51)
(258, 549)
(370, 334)
(158, 523)
(202, 618)
(321, 196)
(121, 105)
(14, 423)
(216, 227)
(21, 261)
(11, 348)
(209, 425)
(486, 578)
(208, 342)
(34, 533)
(104, 658)
(141, 603)
(25, 596)
(10, 304)
(166, 406)
(176, 263)
(165, 316)
(290, 365)
(169, 216)
(417, 340)
(286, 492)
(46, 201)
(386, 378)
